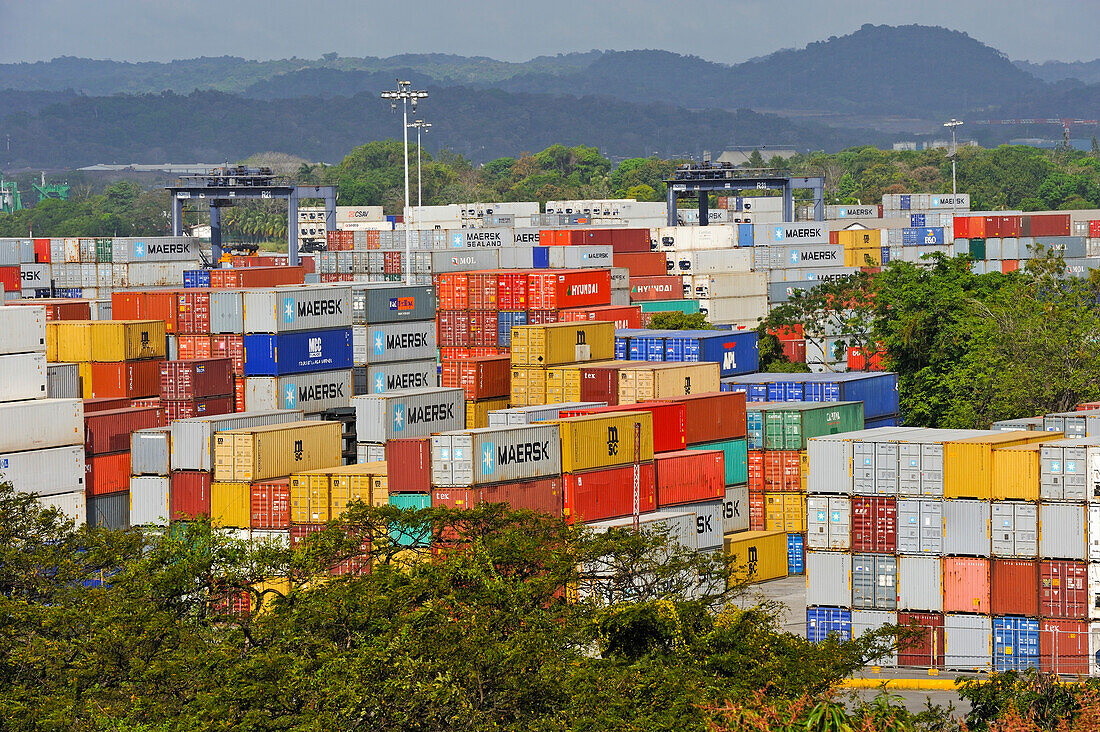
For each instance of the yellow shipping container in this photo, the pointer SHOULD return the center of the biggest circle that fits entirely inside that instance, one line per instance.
(231, 504)
(73, 340)
(477, 413)
(86, 387)
(662, 380)
(762, 554)
(604, 440)
(860, 238)
(1016, 472)
(108, 340)
(51, 339)
(804, 471)
(273, 451)
(863, 257)
(785, 512)
(317, 496)
(556, 344)
(528, 386)
(968, 463)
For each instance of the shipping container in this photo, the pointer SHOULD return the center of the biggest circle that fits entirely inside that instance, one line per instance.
(131, 379)
(403, 341)
(966, 528)
(389, 304)
(149, 500)
(1063, 589)
(41, 423)
(828, 578)
(602, 441)
(22, 376)
(927, 648)
(874, 525)
(107, 473)
(920, 526)
(874, 581)
(788, 426)
(414, 458)
(1064, 647)
(678, 526)
(421, 374)
(821, 622)
(711, 417)
(735, 458)
(785, 512)
(662, 381)
(46, 472)
(408, 413)
(477, 413)
(111, 511)
(968, 642)
(668, 421)
(759, 555)
(151, 451)
(109, 431)
(272, 451)
(966, 585)
(309, 392)
(300, 351)
(562, 343)
(920, 583)
(231, 504)
(828, 522)
(735, 509)
(109, 340)
(1014, 587)
(1016, 473)
(1063, 470)
(1062, 533)
(865, 621)
(24, 330)
(63, 381)
(495, 455)
(196, 378)
(545, 495)
(287, 309)
(606, 493)
(1014, 528)
(481, 378)
(968, 463)
(689, 477)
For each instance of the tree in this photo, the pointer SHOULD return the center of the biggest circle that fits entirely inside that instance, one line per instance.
(676, 320)
(756, 160)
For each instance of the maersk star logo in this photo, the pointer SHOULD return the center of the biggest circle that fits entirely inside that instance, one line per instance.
(488, 464)
(794, 257)
(291, 396)
(289, 313)
(779, 233)
(456, 240)
(398, 417)
(379, 383)
(379, 342)
(139, 249)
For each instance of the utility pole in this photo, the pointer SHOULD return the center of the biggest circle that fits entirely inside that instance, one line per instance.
(405, 94)
(954, 151)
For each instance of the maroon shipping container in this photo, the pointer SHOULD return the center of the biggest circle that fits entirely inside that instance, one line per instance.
(690, 476)
(874, 524)
(229, 346)
(656, 288)
(712, 416)
(106, 432)
(1063, 589)
(298, 532)
(601, 383)
(608, 493)
(257, 276)
(270, 502)
(544, 495)
(196, 378)
(642, 264)
(190, 494)
(454, 327)
(668, 421)
(60, 309)
(412, 465)
(107, 473)
(630, 240)
(1064, 646)
(103, 405)
(206, 407)
(483, 327)
(481, 378)
(927, 648)
(1010, 226)
(1014, 587)
(1045, 225)
(623, 316)
(541, 317)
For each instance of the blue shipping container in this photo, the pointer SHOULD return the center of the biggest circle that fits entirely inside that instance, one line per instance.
(744, 235)
(505, 320)
(540, 258)
(785, 391)
(822, 621)
(754, 419)
(916, 220)
(878, 390)
(735, 352)
(905, 203)
(1015, 643)
(796, 557)
(267, 354)
(196, 278)
(884, 257)
(621, 346)
(924, 236)
(893, 420)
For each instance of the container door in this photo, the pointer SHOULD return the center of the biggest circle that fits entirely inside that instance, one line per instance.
(863, 581)
(931, 522)
(1094, 532)
(886, 582)
(1074, 467)
(931, 470)
(840, 523)
(886, 468)
(909, 527)
(792, 430)
(909, 469)
(1050, 473)
(1003, 525)
(1027, 530)
(863, 468)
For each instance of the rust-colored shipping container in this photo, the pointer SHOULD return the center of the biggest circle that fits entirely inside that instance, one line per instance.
(147, 402)
(713, 416)
(239, 402)
(601, 383)
(608, 493)
(656, 288)
(60, 309)
(966, 585)
(783, 474)
(122, 379)
(630, 240)
(195, 346)
(196, 378)
(270, 503)
(623, 316)
(202, 407)
(454, 327)
(874, 522)
(193, 311)
(109, 431)
(1014, 587)
(642, 264)
(412, 461)
(1045, 225)
(483, 327)
(690, 476)
(231, 347)
(1064, 647)
(103, 405)
(668, 421)
(190, 494)
(482, 288)
(544, 495)
(257, 277)
(927, 648)
(1063, 589)
(107, 473)
(147, 305)
(542, 317)
(480, 378)
(755, 466)
(757, 510)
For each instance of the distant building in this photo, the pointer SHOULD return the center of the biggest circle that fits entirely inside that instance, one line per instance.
(201, 231)
(741, 156)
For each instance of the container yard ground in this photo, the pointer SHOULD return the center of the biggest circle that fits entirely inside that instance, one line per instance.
(791, 593)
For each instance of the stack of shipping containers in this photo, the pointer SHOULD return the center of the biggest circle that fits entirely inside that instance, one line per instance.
(394, 338)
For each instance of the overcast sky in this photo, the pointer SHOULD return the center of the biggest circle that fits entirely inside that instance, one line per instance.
(515, 30)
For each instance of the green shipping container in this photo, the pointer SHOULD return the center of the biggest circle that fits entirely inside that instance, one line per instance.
(104, 250)
(736, 458)
(408, 536)
(788, 425)
(688, 307)
(977, 248)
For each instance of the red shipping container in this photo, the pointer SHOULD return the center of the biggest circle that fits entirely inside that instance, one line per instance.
(353, 565)
(960, 227)
(204, 407)
(713, 416)
(194, 346)
(130, 379)
(630, 240)
(546, 237)
(512, 290)
(783, 472)
(601, 383)
(1009, 265)
(608, 493)
(656, 288)
(483, 288)
(42, 251)
(623, 316)
(298, 532)
(160, 305)
(544, 495)
(414, 458)
(483, 327)
(1048, 225)
(126, 305)
(109, 431)
(107, 473)
(190, 494)
(927, 648)
(103, 405)
(58, 308)
(193, 311)
(794, 351)
(1010, 226)
(271, 504)
(257, 277)
(11, 279)
(480, 378)
(992, 227)
(239, 404)
(146, 402)
(857, 360)
(642, 264)
(1014, 587)
(755, 465)
(874, 523)
(689, 476)
(1094, 229)
(1086, 406)
(1064, 647)
(788, 332)
(668, 421)
(568, 288)
(196, 378)
(756, 510)
(541, 317)
(1063, 589)
(976, 227)
(231, 347)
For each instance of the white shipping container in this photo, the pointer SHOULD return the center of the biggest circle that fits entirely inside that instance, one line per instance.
(796, 233)
(193, 438)
(22, 329)
(729, 284)
(154, 249)
(309, 392)
(41, 423)
(156, 274)
(149, 500)
(496, 455)
(697, 238)
(22, 375)
(287, 309)
(735, 310)
(708, 522)
(462, 261)
(151, 451)
(44, 472)
(402, 375)
(408, 413)
(73, 505)
(537, 413)
(680, 525)
(828, 522)
(34, 276)
(226, 311)
(828, 578)
(390, 342)
(369, 452)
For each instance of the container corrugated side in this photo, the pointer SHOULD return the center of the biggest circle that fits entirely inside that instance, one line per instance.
(110, 511)
(557, 344)
(500, 454)
(735, 509)
(708, 522)
(419, 374)
(385, 343)
(63, 381)
(968, 463)
(661, 381)
(394, 303)
(828, 578)
(286, 309)
(601, 441)
(73, 506)
(41, 423)
(22, 376)
(44, 472)
(24, 330)
(408, 413)
(920, 583)
(193, 439)
(151, 451)
(149, 500)
(759, 555)
(272, 451)
(679, 526)
(310, 392)
(231, 504)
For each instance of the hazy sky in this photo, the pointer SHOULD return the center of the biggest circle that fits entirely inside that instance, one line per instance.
(515, 30)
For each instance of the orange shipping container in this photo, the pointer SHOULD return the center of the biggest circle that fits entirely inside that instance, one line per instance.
(118, 379)
(966, 585)
(1014, 587)
(107, 473)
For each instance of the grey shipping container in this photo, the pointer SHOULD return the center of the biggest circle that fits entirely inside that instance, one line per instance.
(73, 505)
(1094, 536)
(309, 392)
(464, 260)
(1062, 531)
(708, 523)
(22, 329)
(390, 342)
(287, 309)
(391, 304)
(830, 458)
(874, 581)
(110, 511)
(193, 439)
(155, 249)
(828, 578)
(1073, 424)
(966, 528)
(968, 642)
(735, 509)
(1063, 470)
(864, 621)
(44, 472)
(828, 522)
(34, 277)
(920, 583)
(408, 413)
(1013, 425)
(226, 311)
(149, 497)
(151, 451)
(63, 381)
(920, 526)
(369, 452)
(1015, 529)
(496, 455)
(22, 376)
(400, 375)
(536, 413)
